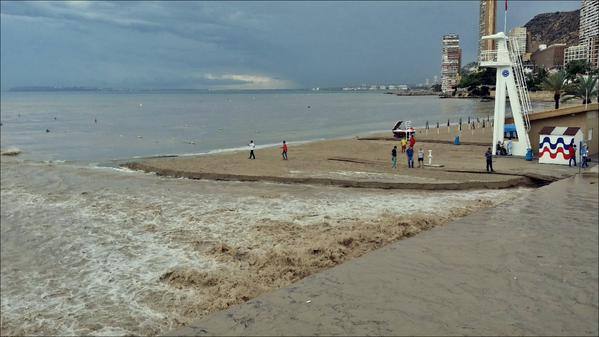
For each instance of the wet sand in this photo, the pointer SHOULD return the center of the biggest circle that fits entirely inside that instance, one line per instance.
(128, 253)
(526, 267)
(366, 162)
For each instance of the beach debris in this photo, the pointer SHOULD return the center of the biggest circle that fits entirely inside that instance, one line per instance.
(309, 301)
(11, 151)
(47, 130)
(140, 137)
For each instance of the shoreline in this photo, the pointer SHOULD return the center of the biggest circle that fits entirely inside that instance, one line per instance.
(364, 162)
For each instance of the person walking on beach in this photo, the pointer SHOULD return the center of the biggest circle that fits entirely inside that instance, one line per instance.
(403, 143)
(420, 158)
(489, 156)
(572, 153)
(252, 147)
(284, 154)
(584, 152)
(394, 157)
(412, 141)
(410, 153)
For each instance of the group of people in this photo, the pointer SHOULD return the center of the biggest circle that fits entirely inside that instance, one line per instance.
(584, 154)
(252, 147)
(503, 148)
(409, 151)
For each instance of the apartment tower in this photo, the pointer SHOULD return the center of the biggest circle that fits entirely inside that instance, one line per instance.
(450, 62)
(588, 32)
(486, 24)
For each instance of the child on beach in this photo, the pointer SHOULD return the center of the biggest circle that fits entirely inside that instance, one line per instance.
(284, 154)
(403, 145)
(420, 158)
(584, 152)
(252, 147)
(410, 153)
(394, 157)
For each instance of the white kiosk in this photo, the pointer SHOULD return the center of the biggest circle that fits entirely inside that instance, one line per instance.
(510, 81)
(554, 144)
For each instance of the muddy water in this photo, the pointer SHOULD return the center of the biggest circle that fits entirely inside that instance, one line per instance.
(85, 250)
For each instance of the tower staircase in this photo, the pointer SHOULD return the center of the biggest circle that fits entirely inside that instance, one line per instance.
(520, 79)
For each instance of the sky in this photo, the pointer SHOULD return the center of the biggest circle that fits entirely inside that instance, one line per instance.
(238, 45)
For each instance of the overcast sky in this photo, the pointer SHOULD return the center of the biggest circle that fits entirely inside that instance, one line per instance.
(237, 44)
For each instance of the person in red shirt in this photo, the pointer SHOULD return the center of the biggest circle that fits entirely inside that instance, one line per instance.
(572, 153)
(412, 141)
(284, 151)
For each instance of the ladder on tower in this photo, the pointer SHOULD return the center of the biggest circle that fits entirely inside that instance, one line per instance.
(520, 79)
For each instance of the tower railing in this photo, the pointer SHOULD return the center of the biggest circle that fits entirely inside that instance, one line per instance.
(520, 79)
(491, 56)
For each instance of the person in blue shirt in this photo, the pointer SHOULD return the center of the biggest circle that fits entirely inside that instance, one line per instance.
(584, 153)
(410, 153)
(489, 156)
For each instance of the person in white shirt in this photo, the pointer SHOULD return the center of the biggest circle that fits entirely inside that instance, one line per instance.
(421, 158)
(252, 148)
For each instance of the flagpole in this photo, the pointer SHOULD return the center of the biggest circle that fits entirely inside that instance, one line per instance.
(505, 18)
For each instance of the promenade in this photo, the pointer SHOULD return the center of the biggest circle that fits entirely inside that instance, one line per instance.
(526, 267)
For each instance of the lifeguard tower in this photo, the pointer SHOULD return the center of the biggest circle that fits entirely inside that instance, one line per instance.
(510, 80)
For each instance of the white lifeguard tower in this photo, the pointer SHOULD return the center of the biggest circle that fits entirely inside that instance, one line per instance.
(510, 78)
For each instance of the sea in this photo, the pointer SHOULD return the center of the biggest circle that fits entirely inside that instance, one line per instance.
(84, 243)
(96, 127)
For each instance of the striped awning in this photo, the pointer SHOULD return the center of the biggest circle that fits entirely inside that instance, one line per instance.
(559, 131)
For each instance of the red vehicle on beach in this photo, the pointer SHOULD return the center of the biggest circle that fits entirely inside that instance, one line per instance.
(402, 133)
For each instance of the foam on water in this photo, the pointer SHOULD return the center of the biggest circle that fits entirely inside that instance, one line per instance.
(83, 249)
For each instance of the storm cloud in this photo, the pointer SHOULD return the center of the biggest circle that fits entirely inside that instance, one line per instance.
(235, 44)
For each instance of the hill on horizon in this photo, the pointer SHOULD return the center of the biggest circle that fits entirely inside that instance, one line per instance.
(556, 27)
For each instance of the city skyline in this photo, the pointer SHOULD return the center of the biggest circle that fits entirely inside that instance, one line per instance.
(236, 45)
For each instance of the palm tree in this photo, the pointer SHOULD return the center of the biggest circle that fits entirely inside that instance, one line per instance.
(585, 87)
(555, 82)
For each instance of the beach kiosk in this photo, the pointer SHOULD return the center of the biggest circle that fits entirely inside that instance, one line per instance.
(554, 144)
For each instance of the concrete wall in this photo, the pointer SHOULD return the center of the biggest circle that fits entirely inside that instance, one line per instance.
(585, 120)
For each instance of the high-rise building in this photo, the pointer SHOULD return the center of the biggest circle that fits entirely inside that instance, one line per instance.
(588, 32)
(450, 62)
(589, 19)
(519, 35)
(486, 24)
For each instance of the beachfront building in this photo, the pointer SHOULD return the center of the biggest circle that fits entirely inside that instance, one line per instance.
(588, 31)
(551, 57)
(486, 24)
(450, 62)
(519, 35)
(584, 117)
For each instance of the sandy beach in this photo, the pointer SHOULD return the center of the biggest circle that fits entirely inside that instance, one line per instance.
(366, 162)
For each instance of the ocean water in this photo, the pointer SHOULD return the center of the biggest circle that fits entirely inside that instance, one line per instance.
(83, 246)
(134, 125)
